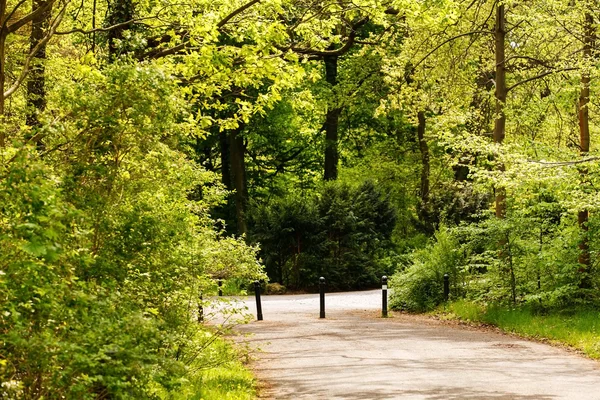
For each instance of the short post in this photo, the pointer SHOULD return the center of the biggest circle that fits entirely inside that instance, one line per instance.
(446, 287)
(201, 309)
(384, 299)
(322, 295)
(220, 283)
(259, 315)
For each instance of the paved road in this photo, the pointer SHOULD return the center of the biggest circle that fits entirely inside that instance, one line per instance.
(354, 354)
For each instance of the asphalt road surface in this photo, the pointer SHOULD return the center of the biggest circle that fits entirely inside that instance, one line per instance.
(355, 354)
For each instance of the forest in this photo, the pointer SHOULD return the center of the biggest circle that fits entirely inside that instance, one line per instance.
(151, 149)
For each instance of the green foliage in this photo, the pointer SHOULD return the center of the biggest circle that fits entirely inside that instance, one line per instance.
(419, 287)
(528, 257)
(340, 232)
(107, 227)
(358, 224)
(218, 373)
(104, 253)
(453, 203)
(288, 231)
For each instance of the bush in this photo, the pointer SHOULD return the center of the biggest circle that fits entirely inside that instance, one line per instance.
(340, 232)
(419, 287)
(275, 288)
(529, 258)
(103, 253)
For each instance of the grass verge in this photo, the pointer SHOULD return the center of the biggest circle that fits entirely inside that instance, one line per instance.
(225, 382)
(219, 374)
(577, 328)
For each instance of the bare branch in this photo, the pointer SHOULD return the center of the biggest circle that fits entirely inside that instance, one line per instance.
(165, 52)
(108, 28)
(436, 48)
(564, 163)
(531, 59)
(236, 12)
(539, 76)
(10, 14)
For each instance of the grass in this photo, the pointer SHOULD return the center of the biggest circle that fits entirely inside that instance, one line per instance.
(220, 375)
(579, 328)
(226, 382)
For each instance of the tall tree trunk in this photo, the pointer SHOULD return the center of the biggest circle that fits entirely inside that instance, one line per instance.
(500, 122)
(424, 148)
(424, 212)
(238, 174)
(3, 34)
(120, 11)
(584, 143)
(36, 83)
(2, 76)
(225, 160)
(331, 122)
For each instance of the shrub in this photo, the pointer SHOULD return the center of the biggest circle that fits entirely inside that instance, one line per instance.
(340, 232)
(419, 287)
(104, 255)
(275, 288)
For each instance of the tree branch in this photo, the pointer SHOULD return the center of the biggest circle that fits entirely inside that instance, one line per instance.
(108, 28)
(34, 51)
(157, 41)
(29, 17)
(166, 52)
(539, 76)
(531, 59)
(10, 14)
(236, 12)
(436, 48)
(564, 163)
(338, 52)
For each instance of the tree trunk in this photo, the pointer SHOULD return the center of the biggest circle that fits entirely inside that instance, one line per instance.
(500, 122)
(584, 145)
(423, 212)
(120, 11)
(238, 174)
(3, 34)
(225, 161)
(36, 83)
(331, 122)
(2, 78)
(424, 148)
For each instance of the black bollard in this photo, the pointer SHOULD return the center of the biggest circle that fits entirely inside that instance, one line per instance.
(259, 316)
(446, 287)
(322, 292)
(220, 283)
(200, 310)
(384, 299)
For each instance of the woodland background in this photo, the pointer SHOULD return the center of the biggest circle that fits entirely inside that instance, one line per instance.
(150, 148)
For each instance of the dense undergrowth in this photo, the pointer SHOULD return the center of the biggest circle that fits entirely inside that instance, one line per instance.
(106, 252)
(219, 373)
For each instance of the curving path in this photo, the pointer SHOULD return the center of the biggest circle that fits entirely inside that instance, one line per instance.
(355, 354)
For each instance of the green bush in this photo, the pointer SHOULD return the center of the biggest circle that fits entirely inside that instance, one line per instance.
(419, 287)
(104, 255)
(275, 288)
(340, 232)
(529, 257)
